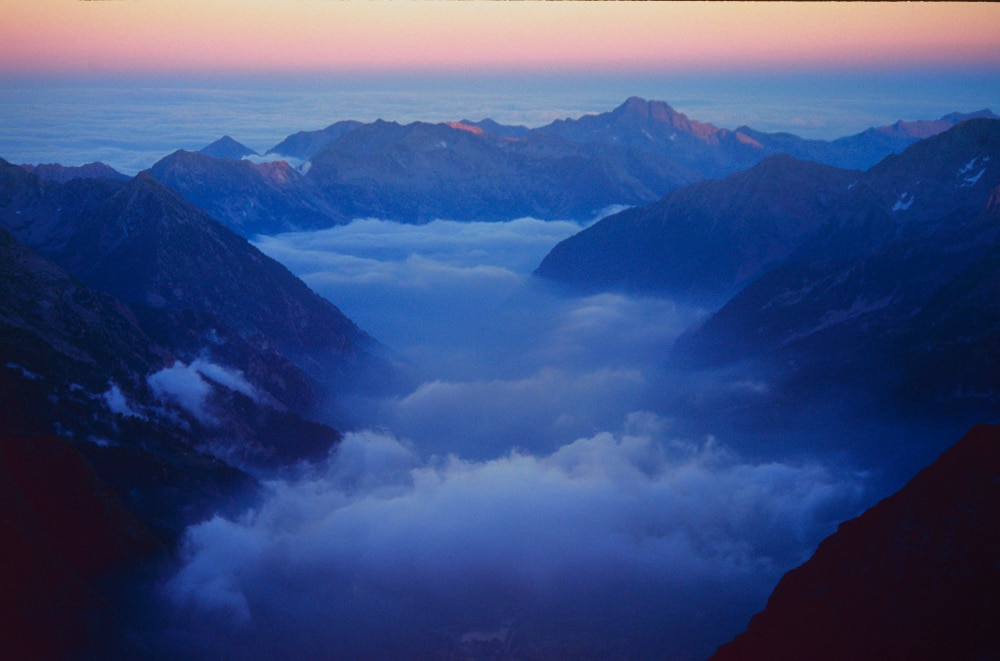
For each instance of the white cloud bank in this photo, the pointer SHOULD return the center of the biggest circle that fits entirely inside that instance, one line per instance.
(190, 386)
(382, 537)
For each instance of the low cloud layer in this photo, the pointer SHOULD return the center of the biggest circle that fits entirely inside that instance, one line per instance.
(548, 475)
(420, 551)
(190, 386)
(506, 360)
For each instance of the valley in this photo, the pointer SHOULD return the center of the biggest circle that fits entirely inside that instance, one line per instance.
(596, 384)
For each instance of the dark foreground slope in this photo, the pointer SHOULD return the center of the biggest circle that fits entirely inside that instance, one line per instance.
(63, 529)
(915, 577)
(152, 362)
(121, 480)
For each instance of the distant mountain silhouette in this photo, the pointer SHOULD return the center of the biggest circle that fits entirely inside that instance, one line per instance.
(465, 170)
(914, 577)
(226, 147)
(865, 149)
(62, 174)
(306, 144)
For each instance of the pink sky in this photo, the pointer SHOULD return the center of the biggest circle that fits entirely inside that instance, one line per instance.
(115, 36)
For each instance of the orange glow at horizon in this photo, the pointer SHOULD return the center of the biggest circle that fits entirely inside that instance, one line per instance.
(217, 36)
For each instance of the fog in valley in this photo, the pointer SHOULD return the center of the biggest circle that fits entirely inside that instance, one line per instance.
(546, 480)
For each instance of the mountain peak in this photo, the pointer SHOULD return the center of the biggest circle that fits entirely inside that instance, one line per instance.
(226, 147)
(636, 105)
(957, 117)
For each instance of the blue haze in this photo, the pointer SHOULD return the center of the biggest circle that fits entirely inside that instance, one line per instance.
(131, 123)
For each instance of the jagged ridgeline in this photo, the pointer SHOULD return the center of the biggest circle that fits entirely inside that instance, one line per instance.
(154, 365)
(485, 171)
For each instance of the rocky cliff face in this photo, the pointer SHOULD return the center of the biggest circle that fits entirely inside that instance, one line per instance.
(914, 577)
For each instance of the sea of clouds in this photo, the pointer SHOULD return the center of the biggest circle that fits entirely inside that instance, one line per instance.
(535, 479)
(630, 540)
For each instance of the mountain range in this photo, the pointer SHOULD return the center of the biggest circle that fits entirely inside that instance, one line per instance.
(828, 275)
(162, 362)
(464, 170)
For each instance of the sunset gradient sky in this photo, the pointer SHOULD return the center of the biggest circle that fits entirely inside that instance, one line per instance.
(315, 36)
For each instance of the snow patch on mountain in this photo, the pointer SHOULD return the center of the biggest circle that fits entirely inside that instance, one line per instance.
(902, 204)
(968, 182)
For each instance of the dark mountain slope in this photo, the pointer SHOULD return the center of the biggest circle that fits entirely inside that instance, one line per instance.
(914, 577)
(897, 281)
(162, 395)
(707, 239)
(147, 246)
(306, 144)
(420, 171)
(62, 173)
(63, 530)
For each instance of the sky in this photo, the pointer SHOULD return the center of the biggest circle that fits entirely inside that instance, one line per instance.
(240, 36)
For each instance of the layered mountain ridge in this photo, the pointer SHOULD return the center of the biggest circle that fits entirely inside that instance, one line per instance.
(826, 273)
(704, 240)
(475, 171)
